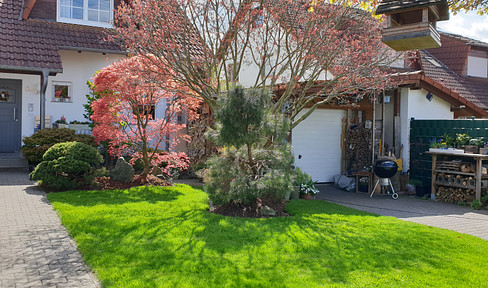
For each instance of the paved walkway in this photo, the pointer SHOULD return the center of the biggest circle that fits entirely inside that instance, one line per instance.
(35, 249)
(432, 213)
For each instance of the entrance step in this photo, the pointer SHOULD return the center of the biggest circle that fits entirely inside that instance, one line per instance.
(13, 161)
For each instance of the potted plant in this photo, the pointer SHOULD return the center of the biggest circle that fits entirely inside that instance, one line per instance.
(61, 121)
(435, 145)
(462, 140)
(300, 179)
(308, 190)
(412, 185)
(484, 149)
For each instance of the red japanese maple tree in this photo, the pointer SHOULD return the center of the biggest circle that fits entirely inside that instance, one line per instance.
(125, 114)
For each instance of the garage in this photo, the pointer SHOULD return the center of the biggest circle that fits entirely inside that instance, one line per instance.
(316, 144)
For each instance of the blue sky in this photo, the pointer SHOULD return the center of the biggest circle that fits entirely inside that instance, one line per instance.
(470, 25)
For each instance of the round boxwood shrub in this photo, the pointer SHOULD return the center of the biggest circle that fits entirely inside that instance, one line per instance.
(36, 145)
(67, 165)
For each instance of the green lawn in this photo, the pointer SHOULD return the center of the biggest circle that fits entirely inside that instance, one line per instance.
(165, 237)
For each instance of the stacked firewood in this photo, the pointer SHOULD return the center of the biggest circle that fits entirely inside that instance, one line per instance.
(358, 148)
(454, 195)
(199, 148)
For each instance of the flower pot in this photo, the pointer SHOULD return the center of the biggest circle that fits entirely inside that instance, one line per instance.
(287, 195)
(471, 149)
(484, 151)
(295, 193)
(306, 196)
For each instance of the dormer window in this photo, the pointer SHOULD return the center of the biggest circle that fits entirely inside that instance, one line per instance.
(477, 63)
(477, 67)
(86, 12)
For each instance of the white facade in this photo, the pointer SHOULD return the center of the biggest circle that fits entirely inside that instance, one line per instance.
(414, 104)
(78, 68)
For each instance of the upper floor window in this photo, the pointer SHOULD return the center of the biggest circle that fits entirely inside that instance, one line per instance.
(86, 12)
(477, 67)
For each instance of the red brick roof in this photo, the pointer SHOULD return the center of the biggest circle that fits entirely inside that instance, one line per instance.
(33, 45)
(453, 52)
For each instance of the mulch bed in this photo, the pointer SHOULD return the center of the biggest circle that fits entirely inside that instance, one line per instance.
(251, 211)
(106, 184)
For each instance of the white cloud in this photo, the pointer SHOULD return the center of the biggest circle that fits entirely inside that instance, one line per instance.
(470, 25)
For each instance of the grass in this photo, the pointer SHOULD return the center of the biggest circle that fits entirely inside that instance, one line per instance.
(165, 237)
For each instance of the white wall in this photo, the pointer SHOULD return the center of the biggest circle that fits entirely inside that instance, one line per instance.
(415, 105)
(77, 69)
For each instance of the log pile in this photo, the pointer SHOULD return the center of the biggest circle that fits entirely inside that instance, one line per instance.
(199, 148)
(358, 148)
(455, 195)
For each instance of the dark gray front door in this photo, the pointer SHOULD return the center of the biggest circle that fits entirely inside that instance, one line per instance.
(10, 118)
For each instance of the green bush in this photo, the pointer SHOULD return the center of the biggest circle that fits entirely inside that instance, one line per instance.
(229, 178)
(36, 145)
(67, 165)
(255, 160)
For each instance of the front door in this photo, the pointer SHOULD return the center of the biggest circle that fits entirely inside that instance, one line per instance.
(10, 106)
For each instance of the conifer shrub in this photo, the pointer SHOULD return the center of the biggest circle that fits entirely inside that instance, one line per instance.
(254, 160)
(36, 145)
(67, 165)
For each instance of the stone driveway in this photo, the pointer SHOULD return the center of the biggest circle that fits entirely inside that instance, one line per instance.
(35, 249)
(432, 213)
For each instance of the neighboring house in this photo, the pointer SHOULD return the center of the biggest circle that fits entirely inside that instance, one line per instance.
(452, 85)
(423, 87)
(48, 51)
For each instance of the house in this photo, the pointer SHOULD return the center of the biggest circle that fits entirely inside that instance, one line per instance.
(49, 49)
(423, 87)
(449, 82)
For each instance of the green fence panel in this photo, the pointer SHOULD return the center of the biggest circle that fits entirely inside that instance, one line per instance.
(422, 131)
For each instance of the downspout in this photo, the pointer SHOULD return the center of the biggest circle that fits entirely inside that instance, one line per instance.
(44, 80)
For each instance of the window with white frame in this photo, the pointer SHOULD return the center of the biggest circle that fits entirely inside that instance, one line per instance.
(86, 12)
(62, 92)
(477, 67)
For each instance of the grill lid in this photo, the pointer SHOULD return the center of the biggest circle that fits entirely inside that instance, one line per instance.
(385, 168)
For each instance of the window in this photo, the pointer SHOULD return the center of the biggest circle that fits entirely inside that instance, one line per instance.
(477, 67)
(62, 92)
(86, 12)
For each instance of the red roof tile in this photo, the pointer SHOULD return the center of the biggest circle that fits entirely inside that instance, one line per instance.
(34, 44)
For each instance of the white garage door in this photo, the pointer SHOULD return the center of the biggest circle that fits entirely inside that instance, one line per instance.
(316, 144)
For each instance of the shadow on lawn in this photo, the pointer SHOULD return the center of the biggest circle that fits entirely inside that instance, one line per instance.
(150, 194)
(181, 243)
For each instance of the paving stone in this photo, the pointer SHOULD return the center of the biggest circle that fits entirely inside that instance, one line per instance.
(35, 249)
(413, 209)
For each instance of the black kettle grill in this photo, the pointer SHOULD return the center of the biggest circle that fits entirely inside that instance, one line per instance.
(385, 169)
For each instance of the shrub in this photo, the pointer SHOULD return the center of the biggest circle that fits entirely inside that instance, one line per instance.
(67, 166)
(476, 204)
(229, 180)
(255, 161)
(36, 145)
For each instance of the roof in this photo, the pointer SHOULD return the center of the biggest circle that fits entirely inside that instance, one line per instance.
(454, 54)
(390, 6)
(442, 74)
(437, 78)
(33, 45)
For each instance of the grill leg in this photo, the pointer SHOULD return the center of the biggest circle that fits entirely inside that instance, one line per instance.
(394, 195)
(376, 185)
